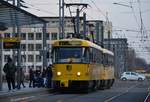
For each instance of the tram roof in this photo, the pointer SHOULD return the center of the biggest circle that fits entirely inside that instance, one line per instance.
(108, 52)
(86, 42)
(11, 15)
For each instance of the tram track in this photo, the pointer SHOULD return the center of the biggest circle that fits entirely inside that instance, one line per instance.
(120, 94)
(148, 96)
(125, 92)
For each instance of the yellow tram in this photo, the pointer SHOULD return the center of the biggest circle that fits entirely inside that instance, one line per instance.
(81, 64)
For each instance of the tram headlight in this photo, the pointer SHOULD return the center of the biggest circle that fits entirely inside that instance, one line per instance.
(78, 73)
(58, 73)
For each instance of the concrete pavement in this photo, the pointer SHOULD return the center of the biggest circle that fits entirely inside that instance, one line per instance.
(26, 90)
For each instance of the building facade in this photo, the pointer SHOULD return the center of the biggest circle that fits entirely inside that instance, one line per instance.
(31, 40)
(120, 48)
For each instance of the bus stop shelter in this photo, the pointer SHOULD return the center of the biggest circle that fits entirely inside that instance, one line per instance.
(12, 16)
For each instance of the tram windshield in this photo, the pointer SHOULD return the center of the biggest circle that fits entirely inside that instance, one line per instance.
(68, 55)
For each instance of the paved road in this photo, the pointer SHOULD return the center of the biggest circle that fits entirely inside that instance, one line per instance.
(122, 91)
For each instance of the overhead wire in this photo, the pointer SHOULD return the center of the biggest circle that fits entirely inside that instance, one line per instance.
(99, 10)
(39, 9)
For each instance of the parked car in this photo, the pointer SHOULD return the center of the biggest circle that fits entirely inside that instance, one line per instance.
(132, 76)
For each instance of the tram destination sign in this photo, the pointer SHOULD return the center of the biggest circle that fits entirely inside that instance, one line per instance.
(70, 43)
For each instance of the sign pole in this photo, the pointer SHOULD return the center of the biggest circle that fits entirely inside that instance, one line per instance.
(1, 64)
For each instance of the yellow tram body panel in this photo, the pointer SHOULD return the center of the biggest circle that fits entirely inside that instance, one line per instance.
(107, 73)
(71, 71)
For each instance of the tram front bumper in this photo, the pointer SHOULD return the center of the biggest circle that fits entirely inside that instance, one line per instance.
(64, 83)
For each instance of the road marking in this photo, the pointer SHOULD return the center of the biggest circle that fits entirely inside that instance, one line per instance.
(21, 99)
(28, 98)
(147, 97)
(110, 99)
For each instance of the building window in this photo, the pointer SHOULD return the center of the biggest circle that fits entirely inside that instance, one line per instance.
(30, 36)
(30, 58)
(38, 36)
(6, 49)
(30, 47)
(47, 36)
(38, 47)
(23, 58)
(23, 36)
(54, 36)
(23, 47)
(6, 57)
(38, 58)
(6, 35)
(69, 35)
(32, 67)
(39, 67)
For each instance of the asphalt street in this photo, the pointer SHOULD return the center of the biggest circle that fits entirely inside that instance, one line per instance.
(122, 91)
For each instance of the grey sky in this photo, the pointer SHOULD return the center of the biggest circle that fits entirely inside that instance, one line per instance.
(123, 18)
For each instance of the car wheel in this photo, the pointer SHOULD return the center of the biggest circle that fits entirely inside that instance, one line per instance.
(140, 79)
(124, 79)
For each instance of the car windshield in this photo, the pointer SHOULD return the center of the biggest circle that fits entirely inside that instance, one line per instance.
(66, 55)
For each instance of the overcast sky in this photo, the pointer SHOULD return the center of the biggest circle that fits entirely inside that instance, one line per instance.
(122, 17)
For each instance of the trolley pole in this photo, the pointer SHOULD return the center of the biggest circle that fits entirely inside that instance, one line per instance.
(80, 7)
(84, 25)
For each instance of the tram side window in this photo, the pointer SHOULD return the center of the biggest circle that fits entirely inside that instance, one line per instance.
(108, 60)
(105, 60)
(86, 56)
(95, 56)
(91, 55)
(111, 60)
(99, 56)
(53, 56)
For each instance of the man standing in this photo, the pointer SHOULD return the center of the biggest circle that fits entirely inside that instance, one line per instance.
(31, 77)
(10, 69)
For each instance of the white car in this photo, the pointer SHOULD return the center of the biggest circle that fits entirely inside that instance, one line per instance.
(132, 76)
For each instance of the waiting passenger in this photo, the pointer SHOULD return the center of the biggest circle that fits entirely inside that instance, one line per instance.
(10, 70)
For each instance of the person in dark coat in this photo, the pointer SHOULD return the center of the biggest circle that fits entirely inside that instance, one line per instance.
(49, 76)
(22, 77)
(38, 78)
(10, 70)
(44, 77)
(31, 77)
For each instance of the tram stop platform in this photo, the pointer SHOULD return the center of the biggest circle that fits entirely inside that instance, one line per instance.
(27, 90)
